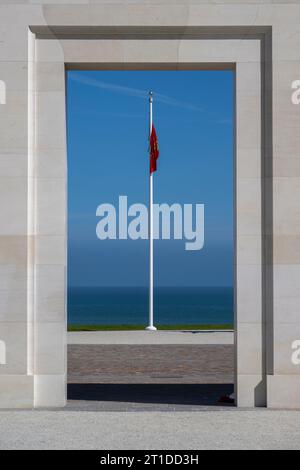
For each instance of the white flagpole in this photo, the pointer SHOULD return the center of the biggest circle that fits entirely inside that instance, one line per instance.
(151, 327)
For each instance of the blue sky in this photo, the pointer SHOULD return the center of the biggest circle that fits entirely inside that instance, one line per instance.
(107, 114)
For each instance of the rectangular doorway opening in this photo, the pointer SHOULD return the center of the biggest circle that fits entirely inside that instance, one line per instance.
(113, 363)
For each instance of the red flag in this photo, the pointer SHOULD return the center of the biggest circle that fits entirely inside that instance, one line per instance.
(154, 151)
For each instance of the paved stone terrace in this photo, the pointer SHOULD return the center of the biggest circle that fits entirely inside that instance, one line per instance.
(148, 377)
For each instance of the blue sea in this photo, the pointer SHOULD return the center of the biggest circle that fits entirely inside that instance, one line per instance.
(129, 305)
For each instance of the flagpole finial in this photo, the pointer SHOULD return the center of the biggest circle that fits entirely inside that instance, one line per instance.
(150, 96)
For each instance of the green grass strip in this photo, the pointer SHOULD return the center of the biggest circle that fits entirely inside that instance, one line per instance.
(74, 327)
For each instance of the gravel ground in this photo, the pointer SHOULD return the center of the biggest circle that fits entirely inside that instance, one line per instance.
(223, 429)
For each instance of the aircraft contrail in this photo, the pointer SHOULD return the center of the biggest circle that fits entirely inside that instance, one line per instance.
(137, 93)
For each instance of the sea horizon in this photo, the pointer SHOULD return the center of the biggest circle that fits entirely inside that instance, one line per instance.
(113, 305)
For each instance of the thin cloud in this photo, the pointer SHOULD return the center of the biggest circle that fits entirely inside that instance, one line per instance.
(179, 104)
(135, 92)
(224, 121)
(109, 114)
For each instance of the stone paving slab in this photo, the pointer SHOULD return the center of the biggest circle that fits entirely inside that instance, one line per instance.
(152, 337)
(178, 363)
